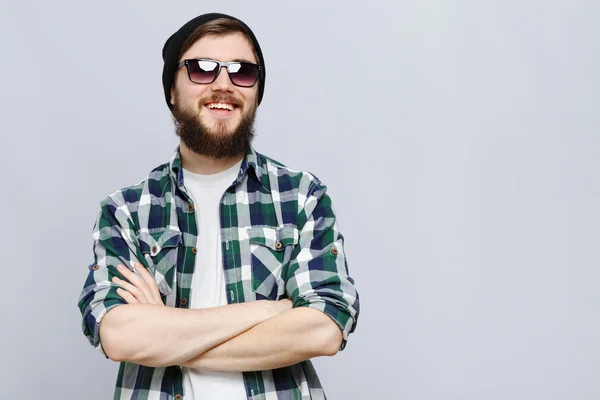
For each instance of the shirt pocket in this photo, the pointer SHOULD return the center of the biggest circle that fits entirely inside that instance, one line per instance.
(271, 250)
(160, 249)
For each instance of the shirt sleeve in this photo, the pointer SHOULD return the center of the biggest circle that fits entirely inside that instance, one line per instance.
(114, 244)
(318, 272)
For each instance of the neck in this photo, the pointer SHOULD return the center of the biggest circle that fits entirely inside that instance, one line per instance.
(204, 165)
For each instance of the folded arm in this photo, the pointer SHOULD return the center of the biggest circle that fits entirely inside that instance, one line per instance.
(289, 338)
(241, 337)
(155, 335)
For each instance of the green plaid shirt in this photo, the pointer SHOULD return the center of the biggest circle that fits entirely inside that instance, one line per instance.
(279, 239)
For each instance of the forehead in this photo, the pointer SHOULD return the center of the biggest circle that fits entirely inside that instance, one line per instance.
(233, 46)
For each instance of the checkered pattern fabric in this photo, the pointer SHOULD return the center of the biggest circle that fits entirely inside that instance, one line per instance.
(279, 238)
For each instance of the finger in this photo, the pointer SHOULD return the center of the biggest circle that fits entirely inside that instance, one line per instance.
(132, 289)
(136, 281)
(150, 281)
(151, 288)
(128, 297)
(130, 275)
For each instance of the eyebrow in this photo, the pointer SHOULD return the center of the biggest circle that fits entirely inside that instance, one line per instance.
(243, 60)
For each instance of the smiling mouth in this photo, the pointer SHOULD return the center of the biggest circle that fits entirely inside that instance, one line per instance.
(221, 108)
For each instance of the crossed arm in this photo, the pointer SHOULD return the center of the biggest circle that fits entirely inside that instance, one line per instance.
(132, 324)
(238, 337)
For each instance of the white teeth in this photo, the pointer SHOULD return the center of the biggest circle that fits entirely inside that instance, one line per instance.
(221, 106)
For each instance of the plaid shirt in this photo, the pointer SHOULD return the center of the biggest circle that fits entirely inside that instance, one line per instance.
(279, 239)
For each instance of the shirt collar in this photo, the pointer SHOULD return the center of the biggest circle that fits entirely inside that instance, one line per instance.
(253, 162)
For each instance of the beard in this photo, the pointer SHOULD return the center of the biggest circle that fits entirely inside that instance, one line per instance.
(217, 143)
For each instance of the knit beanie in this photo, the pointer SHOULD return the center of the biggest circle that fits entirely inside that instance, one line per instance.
(172, 48)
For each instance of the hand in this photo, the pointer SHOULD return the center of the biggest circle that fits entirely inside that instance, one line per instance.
(140, 288)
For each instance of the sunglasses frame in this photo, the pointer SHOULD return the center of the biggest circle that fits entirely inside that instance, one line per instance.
(219, 68)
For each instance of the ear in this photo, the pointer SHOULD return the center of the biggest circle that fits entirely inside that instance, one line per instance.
(172, 96)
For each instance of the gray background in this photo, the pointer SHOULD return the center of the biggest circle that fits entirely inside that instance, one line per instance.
(459, 141)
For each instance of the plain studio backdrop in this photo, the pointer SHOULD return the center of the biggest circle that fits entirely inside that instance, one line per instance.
(459, 141)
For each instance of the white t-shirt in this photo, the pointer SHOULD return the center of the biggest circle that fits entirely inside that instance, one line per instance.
(208, 282)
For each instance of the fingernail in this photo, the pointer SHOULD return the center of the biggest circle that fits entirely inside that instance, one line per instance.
(120, 267)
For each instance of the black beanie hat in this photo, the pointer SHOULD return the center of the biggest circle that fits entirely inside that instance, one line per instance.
(172, 48)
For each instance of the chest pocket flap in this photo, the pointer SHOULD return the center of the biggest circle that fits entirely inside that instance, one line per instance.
(274, 238)
(271, 250)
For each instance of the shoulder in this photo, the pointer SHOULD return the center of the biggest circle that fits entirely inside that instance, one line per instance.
(150, 188)
(288, 179)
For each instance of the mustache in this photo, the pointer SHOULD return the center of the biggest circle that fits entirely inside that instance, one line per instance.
(221, 98)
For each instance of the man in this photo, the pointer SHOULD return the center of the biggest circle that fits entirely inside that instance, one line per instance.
(221, 274)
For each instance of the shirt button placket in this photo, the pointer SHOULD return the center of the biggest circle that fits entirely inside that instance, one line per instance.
(183, 302)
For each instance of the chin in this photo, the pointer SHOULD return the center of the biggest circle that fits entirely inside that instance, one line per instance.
(219, 128)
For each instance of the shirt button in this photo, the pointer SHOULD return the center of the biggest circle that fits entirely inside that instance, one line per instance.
(334, 251)
(194, 251)
(190, 207)
(278, 245)
(183, 302)
(96, 267)
(154, 249)
(178, 397)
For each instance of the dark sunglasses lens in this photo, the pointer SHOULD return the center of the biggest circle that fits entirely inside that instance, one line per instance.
(243, 74)
(202, 71)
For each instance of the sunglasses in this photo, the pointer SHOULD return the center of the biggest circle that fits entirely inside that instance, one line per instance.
(205, 71)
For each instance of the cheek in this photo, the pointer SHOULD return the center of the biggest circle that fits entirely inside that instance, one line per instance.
(250, 95)
(189, 98)
(188, 94)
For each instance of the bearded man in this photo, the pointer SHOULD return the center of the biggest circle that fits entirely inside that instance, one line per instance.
(222, 273)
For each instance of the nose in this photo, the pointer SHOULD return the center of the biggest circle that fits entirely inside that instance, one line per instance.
(222, 83)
